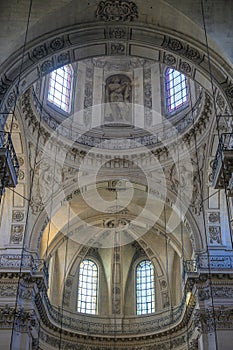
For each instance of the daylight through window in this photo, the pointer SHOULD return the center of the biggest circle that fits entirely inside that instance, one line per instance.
(87, 287)
(176, 90)
(145, 288)
(59, 89)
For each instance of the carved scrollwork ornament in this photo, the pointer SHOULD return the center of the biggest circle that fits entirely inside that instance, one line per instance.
(11, 99)
(229, 92)
(3, 89)
(117, 10)
(220, 101)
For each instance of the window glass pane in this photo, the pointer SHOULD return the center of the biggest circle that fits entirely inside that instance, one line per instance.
(87, 288)
(145, 292)
(176, 90)
(59, 89)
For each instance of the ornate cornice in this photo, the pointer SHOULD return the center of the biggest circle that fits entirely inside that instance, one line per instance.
(208, 320)
(68, 47)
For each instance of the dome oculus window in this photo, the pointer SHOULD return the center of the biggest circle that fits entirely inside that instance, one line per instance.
(59, 87)
(176, 90)
(87, 287)
(145, 288)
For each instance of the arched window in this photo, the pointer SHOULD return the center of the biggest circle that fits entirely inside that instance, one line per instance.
(87, 287)
(59, 87)
(145, 288)
(175, 89)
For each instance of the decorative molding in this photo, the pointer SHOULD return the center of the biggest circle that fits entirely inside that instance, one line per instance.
(22, 320)
(214, 217)
(40, 52)
(183, 49)
(169, 59)
(118, 33)
(57, 43)
(53, 341)
(117, 49)
(17, 215)
(185, 67)
(117, 10)
(208, 319)
(47, 67)
(147, 96)
(222, 292)
(8, 289)
(202, 109)
(215, 262)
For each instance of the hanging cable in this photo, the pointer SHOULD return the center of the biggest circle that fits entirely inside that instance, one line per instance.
(16, 95)
(52, 198)
(168, 278)
(21, 65)
(66, 240)
(204, 220)
(115, 247)
(27, 216)
(216, 117)
(182, 200)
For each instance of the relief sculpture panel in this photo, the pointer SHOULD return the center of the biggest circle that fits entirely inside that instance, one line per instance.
(118, 98)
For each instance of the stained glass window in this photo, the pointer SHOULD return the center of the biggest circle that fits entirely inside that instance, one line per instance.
(59, 88)
(87, 287)
(145, 288)
(176, 90)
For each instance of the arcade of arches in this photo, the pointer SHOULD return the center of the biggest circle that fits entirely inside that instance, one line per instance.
(116, 175)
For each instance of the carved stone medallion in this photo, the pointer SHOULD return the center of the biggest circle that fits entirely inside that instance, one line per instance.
(117, 10)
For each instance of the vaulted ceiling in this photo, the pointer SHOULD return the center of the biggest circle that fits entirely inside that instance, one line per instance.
(184, 16)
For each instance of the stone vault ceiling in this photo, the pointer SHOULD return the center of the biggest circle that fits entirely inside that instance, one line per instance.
(181, 16)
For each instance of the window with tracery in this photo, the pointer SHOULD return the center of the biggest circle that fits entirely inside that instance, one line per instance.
(176, 90)
(60, 86)
(87, 287)
(145, 288)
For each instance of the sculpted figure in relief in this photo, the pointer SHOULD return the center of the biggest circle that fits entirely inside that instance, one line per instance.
(118, 98)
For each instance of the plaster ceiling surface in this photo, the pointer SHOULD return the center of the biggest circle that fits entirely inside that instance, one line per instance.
(218, 19)
(178, 16)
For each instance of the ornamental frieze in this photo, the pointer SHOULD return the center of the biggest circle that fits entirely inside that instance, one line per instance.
(203, 108)
(182, 49)
(207, 320)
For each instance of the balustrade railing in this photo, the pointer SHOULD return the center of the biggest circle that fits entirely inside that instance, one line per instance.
(116, 326)
(9, 162)
(26, 262)
(223, 162)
